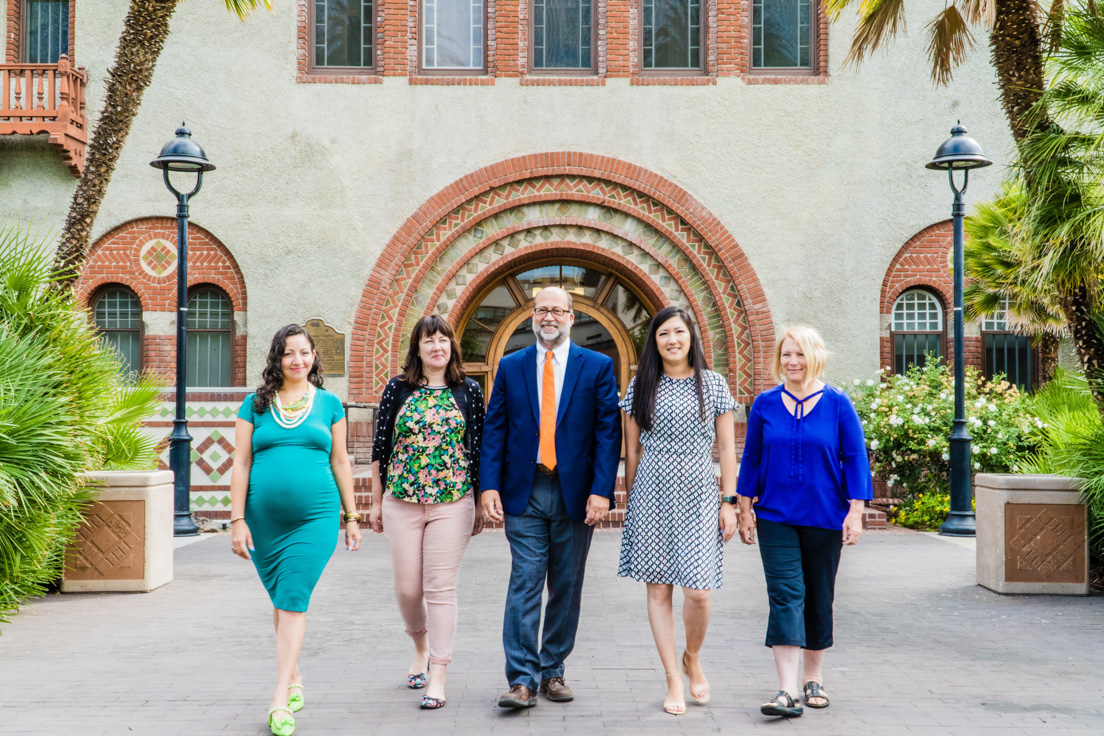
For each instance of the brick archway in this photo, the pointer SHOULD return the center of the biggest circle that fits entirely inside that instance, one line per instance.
(140, 254)
(539, 204)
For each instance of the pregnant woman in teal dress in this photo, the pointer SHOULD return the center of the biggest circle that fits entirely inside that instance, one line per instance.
(291, 477)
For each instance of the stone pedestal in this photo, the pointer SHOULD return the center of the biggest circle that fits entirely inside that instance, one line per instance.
(126, 541)
(1032, 534)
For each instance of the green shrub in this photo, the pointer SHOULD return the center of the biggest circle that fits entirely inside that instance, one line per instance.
(925, 511)
(64, 410)
(907, 420)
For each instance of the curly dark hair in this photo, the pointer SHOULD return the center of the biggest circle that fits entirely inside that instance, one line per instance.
(273, 374)
(426, 327)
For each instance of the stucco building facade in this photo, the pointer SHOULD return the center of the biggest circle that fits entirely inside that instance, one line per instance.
(367, 179)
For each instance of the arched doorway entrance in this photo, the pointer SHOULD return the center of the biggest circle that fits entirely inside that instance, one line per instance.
(611, 316)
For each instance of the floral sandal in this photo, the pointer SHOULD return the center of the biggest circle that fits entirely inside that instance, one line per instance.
(281, 725)
(429, 703)
(295, 697)
(416, 682)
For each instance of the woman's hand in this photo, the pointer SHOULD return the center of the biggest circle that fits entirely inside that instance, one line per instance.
(728, 521)
(747, 526)
(480, 519)
(352, 536)
(241, 541)
(375, 518)
(852, 527)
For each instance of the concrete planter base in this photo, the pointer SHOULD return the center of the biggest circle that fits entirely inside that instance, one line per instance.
(126, 541)
(1032, 534)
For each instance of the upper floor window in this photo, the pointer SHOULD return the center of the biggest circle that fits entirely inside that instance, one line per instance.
(210, 338)
(672, 33)
(117, 314)
(46, 36)
(782, 34)
(344, 33)
(452, 34)
(563, 34)
(1004, 351)
(917, 329)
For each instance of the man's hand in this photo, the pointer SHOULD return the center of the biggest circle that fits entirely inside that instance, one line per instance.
(492, 505)
(596, 509)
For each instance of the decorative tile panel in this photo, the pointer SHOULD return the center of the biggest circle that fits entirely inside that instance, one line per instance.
(110, 543)
(1045, 543)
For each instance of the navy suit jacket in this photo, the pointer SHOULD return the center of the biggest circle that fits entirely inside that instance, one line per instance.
(588, 431)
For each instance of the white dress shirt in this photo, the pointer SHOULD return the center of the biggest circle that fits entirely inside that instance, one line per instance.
(559, 369)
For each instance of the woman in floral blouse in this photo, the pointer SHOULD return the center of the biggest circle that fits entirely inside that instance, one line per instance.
(426, 457)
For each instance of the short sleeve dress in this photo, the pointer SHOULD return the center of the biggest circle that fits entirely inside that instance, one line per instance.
(293, 503)
(671, 533)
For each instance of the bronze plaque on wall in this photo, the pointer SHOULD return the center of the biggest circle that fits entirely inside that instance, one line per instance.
(110, 544)
(330, 346)
(1044, 543)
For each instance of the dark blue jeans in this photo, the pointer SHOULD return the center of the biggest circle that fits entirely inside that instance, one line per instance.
(545, 545)
(800, 564)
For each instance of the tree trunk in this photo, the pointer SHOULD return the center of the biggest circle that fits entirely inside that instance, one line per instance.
(144, 33)
(1077, 306)
(1017, 51)
(1047, 349)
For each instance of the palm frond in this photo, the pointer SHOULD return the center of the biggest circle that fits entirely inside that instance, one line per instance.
(879, 21)
(981, 11)
(242, 8)
(949, 40)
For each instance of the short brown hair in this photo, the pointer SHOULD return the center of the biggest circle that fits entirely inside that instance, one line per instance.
(426, 327)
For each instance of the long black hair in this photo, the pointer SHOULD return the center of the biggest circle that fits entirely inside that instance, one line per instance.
(650, 368)
(272, 376)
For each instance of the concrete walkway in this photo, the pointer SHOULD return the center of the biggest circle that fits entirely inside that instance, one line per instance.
(920, 649)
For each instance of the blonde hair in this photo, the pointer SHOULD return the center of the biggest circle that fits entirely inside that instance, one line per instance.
(810, 343)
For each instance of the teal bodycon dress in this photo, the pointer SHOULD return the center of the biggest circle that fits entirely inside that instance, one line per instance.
(293, 504)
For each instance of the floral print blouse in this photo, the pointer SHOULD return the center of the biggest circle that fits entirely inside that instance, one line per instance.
(428, 463)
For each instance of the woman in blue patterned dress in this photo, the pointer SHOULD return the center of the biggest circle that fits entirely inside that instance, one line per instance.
(426, 457)
(291, 477)
(675, 523)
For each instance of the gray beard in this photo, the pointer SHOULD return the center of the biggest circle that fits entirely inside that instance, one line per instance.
(552, 345)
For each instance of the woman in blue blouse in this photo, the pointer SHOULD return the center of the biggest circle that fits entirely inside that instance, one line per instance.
(805, 468)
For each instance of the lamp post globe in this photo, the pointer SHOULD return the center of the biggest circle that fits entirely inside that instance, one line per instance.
(182, 155)
(962, 153)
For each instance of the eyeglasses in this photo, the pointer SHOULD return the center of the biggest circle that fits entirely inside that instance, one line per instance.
(556, 312)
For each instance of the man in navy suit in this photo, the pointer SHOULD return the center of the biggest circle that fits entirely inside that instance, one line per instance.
(551, 446)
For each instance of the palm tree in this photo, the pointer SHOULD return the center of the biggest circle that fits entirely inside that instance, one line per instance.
(144, 33)
(999, 281)
(1015, 42)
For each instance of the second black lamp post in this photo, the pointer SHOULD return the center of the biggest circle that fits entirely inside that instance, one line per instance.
(183, 155)
(959, 153)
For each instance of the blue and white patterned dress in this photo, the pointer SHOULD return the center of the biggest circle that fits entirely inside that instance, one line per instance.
(672, 535)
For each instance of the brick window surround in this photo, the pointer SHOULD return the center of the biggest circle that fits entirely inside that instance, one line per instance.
(480, 206)
(922, 262)
(618, 32)
(14, 50)
(116, 258)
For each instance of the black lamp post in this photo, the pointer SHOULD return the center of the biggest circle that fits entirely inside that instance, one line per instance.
(184, 155)
(961, 153)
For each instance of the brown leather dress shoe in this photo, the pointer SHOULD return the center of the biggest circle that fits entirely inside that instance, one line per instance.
(556, 690)
(519, 696)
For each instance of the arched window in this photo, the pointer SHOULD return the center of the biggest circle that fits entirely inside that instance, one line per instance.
(210, 338)
(1004, 351)
(117, 314)
(610, 317)
(917, 329)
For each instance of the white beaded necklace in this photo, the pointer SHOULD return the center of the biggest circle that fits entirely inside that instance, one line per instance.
(291, 420)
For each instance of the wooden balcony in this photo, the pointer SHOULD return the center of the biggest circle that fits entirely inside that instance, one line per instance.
(46, 98)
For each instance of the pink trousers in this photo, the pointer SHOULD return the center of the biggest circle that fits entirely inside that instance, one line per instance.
(427, 541)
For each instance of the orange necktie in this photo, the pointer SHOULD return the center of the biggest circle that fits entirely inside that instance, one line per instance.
(548, 414)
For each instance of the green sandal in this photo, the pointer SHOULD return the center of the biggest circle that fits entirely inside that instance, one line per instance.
(295, 700)
(281, 725)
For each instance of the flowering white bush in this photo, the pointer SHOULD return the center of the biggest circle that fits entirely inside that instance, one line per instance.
(907, 420)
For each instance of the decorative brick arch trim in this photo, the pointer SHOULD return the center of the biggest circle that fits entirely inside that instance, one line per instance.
(389, 287)
(922, 262)
(116, 258)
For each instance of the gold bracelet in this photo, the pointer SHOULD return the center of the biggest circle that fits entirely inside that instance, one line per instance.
(352, 517)
(237, 518)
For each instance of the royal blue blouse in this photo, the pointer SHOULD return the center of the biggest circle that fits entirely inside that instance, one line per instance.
(805, 469)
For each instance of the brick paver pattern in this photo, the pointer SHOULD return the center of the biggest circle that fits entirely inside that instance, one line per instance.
(920, 649)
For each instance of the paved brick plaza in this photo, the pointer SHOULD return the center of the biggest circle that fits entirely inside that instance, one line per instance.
(919, 650)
